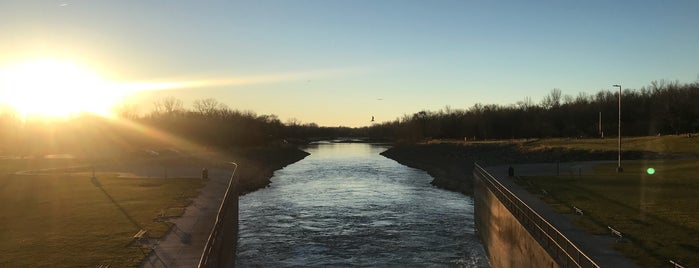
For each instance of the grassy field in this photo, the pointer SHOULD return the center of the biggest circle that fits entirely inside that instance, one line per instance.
(677, 144)
(658, 214)
(12, 165)
(681, 144)
(65, 220)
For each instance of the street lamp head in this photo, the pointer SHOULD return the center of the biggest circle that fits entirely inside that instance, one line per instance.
(616, 85)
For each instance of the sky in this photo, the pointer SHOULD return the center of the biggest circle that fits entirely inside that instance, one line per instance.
(341, 62)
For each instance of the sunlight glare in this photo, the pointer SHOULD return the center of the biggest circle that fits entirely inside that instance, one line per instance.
(55, 88)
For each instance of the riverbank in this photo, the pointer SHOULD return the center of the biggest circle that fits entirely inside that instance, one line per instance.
(346, 205)
(256, 166)
(617, 196)
(128, 194)
(451, 163)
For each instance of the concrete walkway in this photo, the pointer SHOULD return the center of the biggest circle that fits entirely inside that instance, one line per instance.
(183, 245)
(598, 248)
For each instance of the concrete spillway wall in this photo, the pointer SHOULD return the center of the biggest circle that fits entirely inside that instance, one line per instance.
(507, 242)
(514, 235)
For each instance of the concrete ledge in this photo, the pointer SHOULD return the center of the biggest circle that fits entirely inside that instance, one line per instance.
(518, 251)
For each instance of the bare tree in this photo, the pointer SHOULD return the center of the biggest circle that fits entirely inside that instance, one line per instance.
(168, 105)
(208, 106)
(553, 100)
(525, 104)
(293, 122)
(583, 98)
(568, 99)
(127, 111)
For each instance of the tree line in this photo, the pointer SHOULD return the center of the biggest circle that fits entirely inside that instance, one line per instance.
(660, 108)
(209, 123)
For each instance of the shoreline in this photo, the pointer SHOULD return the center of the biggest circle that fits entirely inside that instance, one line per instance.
(257, 165)
(451, 164)
(182, 245)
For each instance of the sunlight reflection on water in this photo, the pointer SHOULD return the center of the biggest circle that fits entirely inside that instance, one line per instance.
(346, 205)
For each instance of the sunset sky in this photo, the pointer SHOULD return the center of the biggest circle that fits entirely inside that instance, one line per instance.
(341, 62)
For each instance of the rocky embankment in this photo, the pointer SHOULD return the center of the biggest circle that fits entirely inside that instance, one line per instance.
(451, 164)
(257, 165)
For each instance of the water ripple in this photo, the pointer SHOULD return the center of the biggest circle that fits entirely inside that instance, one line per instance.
(345, 205)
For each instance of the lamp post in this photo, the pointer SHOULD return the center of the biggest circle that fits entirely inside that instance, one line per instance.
(618, 167)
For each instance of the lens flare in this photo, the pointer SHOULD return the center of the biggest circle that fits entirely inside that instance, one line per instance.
(650, 171)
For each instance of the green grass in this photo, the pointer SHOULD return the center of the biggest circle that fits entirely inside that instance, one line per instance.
(658, 214)
(660, 144)
(64, 220)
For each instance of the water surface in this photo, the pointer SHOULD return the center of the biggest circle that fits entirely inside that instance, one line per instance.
(346, 205)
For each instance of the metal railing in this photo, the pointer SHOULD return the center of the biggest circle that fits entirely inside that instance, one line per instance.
(562, 250)
(211, 255)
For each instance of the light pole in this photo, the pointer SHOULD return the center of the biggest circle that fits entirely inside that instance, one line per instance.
(618, 167)
(601, 132)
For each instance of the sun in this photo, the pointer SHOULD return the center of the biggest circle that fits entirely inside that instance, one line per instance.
(52, 87)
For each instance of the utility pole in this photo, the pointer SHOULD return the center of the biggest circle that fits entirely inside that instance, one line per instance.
(618, 167)
(601, 132)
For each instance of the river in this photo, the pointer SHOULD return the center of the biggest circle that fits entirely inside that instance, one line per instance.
(346, 205)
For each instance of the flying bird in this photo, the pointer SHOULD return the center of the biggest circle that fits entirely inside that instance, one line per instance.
(372, 118)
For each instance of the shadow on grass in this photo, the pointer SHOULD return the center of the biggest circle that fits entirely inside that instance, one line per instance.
(97, 184)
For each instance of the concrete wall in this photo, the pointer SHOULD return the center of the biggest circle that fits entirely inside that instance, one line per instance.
(506, 241)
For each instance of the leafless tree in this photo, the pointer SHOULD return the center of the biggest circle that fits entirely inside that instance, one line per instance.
(127, 111)
(209, 106)
(553, 99)
(525, 104)
(292, 122)
(168, 105)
